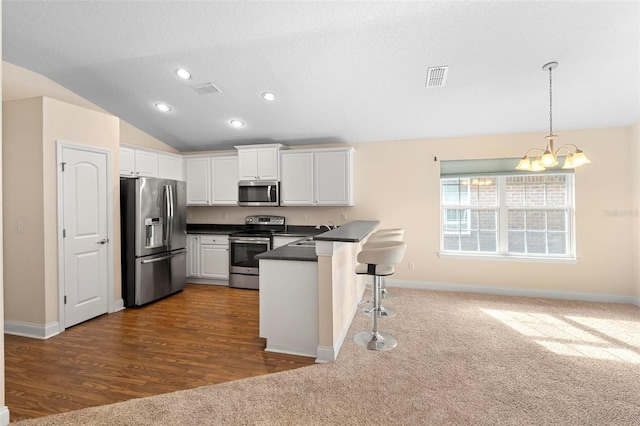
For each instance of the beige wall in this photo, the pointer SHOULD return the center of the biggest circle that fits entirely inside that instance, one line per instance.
(23, 202)
(31, 129)
(634, 160)
(21, 83)
(397, 183)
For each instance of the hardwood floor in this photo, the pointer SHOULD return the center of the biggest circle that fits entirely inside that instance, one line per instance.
(203, 335)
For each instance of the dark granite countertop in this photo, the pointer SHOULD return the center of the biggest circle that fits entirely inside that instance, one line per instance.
(290, 252)
(352, 232)
(213, 228)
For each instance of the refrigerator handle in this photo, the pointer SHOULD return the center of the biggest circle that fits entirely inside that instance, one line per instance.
(167, 215)
(172, 205)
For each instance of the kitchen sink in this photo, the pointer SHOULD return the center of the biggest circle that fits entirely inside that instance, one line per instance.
(304, 243)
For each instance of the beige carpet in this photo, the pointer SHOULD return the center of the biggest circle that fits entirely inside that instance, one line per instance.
(463, 359)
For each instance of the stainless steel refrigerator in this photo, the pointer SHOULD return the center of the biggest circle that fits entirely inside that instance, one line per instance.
(153, 222)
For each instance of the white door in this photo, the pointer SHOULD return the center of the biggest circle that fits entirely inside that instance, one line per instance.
(85, 243)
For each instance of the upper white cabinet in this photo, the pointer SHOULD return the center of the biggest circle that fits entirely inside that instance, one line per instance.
(198, 181)
(333, 177)
(296, 186)
(212, 180)
(259, 162)
(127, 162)
(318, 177)
(171, 167)
(146, 163)
(224, 180)
(136, 162)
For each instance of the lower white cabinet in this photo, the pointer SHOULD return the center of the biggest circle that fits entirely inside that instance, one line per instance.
(208, 256)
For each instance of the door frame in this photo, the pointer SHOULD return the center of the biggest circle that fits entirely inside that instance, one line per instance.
(60, 211)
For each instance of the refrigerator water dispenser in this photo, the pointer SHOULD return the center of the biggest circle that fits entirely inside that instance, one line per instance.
(154, 232)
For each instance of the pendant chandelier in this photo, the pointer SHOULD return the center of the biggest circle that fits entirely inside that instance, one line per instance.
(548, 157)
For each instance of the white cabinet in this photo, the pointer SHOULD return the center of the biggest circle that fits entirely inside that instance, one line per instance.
(224, 180)
(214, 257)
(136, 162)
(127, 162)
(333, 177)
(198, 181)
(296, 185)
(146, 163)
(208, 257)
(318, 177)
(193, 255)
(212, 180)
(258, 162)
(170, 167)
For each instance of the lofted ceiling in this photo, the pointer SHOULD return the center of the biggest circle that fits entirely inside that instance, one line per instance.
(342, 71)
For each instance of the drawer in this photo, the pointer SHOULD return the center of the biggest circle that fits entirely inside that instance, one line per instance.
(214, 239)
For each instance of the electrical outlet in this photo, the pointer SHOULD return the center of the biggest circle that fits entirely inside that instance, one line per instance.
(225, 216)
(412, 266)
(20, 226)
(304, 216)
(344, 216)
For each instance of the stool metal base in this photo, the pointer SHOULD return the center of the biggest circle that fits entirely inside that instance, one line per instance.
(383, 312)
(386, 294)
(375, 341)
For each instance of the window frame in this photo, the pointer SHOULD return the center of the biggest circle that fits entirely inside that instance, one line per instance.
(502, 231)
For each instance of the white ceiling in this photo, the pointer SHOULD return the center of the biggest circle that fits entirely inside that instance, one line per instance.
(342, 71)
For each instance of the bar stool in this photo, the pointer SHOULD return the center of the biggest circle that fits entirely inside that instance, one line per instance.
(395, 234)
(377, 260)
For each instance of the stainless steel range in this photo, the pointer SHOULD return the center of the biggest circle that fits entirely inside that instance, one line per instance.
(244, 268)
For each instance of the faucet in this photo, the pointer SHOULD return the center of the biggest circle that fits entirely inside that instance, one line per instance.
(327, 226)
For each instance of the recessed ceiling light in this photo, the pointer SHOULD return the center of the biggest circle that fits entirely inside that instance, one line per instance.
(237, 123)
(163, 107)
(182, 73)
(268, 96)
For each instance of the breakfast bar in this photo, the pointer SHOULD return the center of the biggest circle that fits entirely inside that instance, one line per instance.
(309, 292)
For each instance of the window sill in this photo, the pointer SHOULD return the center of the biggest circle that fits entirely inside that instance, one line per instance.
(525, 259)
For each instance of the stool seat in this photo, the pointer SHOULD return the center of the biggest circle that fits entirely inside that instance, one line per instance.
(380, 270)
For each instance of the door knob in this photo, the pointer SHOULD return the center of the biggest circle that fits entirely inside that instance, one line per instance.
(103, 241)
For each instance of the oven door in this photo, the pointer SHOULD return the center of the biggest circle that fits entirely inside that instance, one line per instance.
(243, 251)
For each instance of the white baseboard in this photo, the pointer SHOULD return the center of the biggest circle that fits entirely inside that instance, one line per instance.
(207, 281)
(326, 354)
(4, 416)
(522, 292)
(36, 331)
(118, 305)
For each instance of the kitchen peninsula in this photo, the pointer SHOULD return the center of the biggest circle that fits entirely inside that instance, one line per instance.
(309, 292)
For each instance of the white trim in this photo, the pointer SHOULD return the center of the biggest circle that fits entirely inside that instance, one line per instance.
(4, 416)
(521, 292)
(118, 305)
(502, 258)
(282, 349)
(35, 331)
(207, 281)
(111, 307)
(326, 354)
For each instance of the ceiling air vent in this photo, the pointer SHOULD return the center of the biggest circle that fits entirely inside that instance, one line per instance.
(206, 88)
(436, 76)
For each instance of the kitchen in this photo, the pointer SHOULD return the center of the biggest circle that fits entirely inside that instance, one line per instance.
(395, 181)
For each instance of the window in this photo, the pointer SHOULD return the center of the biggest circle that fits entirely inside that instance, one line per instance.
(508, 215)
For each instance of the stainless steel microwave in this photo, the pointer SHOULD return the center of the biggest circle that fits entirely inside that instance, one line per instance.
(253, 193)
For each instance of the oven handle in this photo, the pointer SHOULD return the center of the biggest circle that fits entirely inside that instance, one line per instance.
(248, 239)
